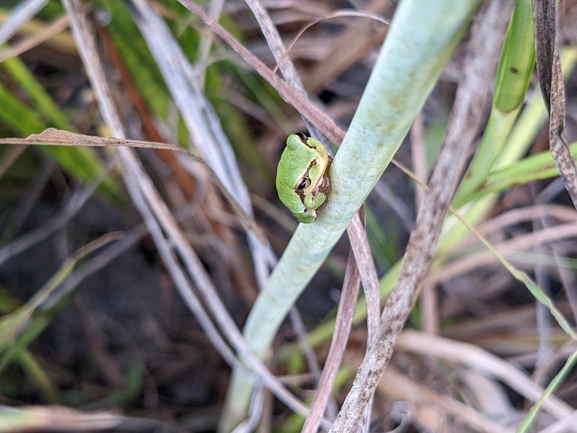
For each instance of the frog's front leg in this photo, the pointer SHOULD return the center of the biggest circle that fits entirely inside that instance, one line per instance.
(306, 217)
(315, 202)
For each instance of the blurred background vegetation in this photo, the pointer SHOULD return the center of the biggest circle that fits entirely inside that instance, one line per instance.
(91, 317)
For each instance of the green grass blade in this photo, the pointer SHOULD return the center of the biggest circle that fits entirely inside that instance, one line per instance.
(517, 61)
(536, 167)
(37, 375)
(520, 140)
(553, 386)
(42, 101)
(513, 78)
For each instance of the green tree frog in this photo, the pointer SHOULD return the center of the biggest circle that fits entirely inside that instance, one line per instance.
(302, 178)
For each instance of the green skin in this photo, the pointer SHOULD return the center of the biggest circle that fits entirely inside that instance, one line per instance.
(302, 178)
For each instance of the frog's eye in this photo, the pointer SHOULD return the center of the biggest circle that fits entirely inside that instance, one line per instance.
(304, 183)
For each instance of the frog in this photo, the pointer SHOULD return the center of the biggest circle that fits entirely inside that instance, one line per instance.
(302, 181)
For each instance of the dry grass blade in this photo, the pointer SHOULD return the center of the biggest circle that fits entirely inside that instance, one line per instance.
(198, 115)
(480, 66)
(360, 245)
(149, 127)
(215, 10)
(57, 418)
(46, 418)
(57, 137)
(479, 359)
(368, 273)
(287, 67)
(337, 14)
(553, 88)
(287, 92)
(344, 320)
(521, 242)
(52, 29)
(562, 426)
(350, 47)
(202, 124)
(520, 215)
(399, 387)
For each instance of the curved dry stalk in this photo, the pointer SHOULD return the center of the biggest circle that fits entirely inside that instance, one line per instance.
(516, 216)
(484, 257)
(483, 361)
(399, 387)
(58, 26)
(336, 14)
(472, 95)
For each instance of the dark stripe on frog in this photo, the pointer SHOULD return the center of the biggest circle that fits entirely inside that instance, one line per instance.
(300, 192)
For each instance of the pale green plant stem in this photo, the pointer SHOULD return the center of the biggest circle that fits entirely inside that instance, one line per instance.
(421, 39)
